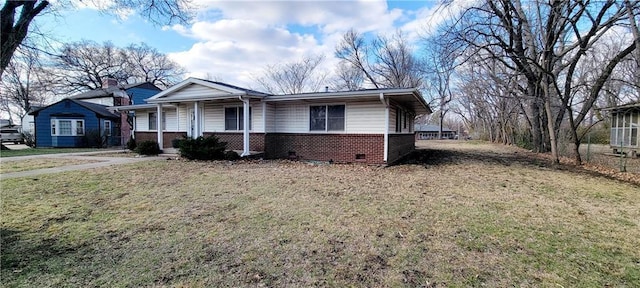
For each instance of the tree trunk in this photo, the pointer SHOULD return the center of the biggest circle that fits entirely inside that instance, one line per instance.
(14, 31)
(552, 132)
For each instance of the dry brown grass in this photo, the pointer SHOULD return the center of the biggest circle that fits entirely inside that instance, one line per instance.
(40, 163)
(468, 215)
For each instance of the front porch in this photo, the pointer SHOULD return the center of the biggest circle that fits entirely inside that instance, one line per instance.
(234, 140)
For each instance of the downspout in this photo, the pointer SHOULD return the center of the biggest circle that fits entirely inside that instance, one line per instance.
(245, 130)
(159, 125)
(386, 126)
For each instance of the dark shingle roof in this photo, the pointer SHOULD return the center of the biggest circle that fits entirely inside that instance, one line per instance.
(236, 87)
(100, 110)
(97, 108)
(104, 92)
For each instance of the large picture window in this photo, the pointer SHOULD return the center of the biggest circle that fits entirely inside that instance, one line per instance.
(67, 127)
(234, 118)
(326, 118)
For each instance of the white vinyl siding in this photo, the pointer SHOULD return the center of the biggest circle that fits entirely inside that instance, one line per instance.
(292, 118)
(365, 118)
(360, 117)
(194, 90)
(170, 119)
(214, 117)
(392, 120)
(107, 101)
(182, 118)
(400, 121)
(270, 118)
(256, 117)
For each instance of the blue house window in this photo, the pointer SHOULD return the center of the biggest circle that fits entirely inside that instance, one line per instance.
(107, 127)
(67, 127)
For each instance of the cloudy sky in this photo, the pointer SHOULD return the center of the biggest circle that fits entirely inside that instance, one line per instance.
(233, 41)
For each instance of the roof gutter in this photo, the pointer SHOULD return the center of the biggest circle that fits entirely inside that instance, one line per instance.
(203, 97)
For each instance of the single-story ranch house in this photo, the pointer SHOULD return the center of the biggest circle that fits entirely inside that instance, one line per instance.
(429, 132)
(371, 126)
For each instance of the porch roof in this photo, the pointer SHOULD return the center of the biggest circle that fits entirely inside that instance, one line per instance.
(408, 97)
(206, 90)
(624, 108)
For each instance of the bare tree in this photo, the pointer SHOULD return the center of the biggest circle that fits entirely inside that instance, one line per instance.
(438, 68)
(353, 49)
(384, 62)
(22, 86)
(83, 66)
(13, 30)
(348, 77)
(545, 42)
(147, 64)
(294, 77)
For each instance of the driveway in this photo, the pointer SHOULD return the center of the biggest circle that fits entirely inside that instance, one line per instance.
(103, 162)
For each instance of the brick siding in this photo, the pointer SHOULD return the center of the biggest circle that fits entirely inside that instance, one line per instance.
(167, 137)
(341, 148)
(235, 140)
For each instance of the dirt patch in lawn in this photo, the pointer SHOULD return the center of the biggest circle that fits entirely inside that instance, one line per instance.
(40, 163)
(458, 221)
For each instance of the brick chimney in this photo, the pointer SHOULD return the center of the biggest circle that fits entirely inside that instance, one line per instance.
(109, 82)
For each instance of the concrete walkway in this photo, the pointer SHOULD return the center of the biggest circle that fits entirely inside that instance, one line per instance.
(102, 162)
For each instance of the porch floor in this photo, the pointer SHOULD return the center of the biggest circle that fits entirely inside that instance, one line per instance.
(176, 152)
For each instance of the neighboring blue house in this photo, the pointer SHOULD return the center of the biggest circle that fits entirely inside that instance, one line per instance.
(111, 94)
(89, 117)
(75, 123)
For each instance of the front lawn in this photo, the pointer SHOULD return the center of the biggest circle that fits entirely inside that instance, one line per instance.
(482, 215)
(40, 163)
(40, 151)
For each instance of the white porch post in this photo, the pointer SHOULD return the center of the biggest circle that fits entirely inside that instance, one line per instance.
(245, 131)
(196, 115)
(159, 124)
(386, 127)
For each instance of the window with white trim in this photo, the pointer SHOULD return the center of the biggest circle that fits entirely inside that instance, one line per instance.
(67, 127)
(153, 121)
(107, 127)
(79, 127)
(326, 118)
(234, 118)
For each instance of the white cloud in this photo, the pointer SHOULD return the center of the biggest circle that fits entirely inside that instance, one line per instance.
(428, 19)
(236, 40)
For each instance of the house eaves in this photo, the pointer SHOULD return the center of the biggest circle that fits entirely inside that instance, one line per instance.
(404, 95)
(136, 107)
